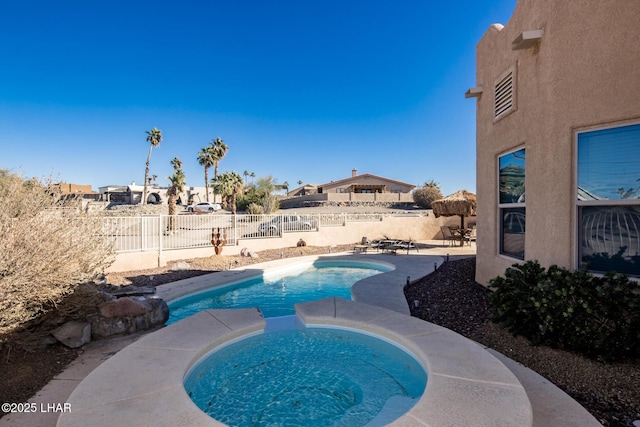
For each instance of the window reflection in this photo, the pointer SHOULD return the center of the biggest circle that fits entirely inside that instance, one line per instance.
(609, 164)
(511, 177)
(512, 223)
(610, 239)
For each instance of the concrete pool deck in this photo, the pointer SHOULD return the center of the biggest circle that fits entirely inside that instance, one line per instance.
(126, 386)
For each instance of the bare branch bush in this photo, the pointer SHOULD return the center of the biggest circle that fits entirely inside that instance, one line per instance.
(47, 250)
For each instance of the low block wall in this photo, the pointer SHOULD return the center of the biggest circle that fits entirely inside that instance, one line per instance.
(405, 228)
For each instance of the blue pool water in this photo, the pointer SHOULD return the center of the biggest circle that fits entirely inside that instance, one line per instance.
(276, 295)
(307, 377)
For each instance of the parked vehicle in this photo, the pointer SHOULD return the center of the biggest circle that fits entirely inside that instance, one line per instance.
(287, 223)
(204, 207)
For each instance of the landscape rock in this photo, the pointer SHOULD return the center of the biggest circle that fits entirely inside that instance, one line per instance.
(156, 315)
(125, 307)
(73, 334)
(254, 254)
(180, 266)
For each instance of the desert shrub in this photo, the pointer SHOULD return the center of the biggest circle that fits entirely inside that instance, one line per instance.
(596, 316)
(425, 195)
(255, 209)
(267, 202)
(47, 250)
(270, 204)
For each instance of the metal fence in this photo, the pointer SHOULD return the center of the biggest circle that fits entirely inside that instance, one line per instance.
(162, 232)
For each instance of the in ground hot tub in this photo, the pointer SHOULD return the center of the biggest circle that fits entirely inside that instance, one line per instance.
(144, 383)
(313, 376)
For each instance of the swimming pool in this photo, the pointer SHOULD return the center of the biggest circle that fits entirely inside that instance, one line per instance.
(312, 376)
(275, 293)
(144, 382)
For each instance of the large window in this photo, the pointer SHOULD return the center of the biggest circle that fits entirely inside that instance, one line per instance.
(608, 198)
(511, 203)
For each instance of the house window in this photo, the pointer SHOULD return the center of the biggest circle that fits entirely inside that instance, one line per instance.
(511, 203)
(504, 94)
(608, 199)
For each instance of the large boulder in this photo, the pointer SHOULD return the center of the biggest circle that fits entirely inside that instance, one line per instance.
(136, 314)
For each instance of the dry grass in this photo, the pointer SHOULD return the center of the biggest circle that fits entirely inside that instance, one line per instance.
(47, 250)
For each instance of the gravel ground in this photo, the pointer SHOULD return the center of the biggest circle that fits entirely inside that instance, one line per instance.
(451, 298)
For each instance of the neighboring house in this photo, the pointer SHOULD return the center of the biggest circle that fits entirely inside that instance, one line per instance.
(357, 189)
(365, 183)
(303, 190)
(558, 113)
(79, 190)
(117, 194)
(132, 194)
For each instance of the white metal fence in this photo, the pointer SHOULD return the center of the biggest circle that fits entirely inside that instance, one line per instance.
(163, 232)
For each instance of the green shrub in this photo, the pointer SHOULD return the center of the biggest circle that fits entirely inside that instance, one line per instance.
(258, 196)
(596, 316)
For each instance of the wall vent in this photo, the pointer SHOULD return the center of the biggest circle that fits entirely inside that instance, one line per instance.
(504, 95)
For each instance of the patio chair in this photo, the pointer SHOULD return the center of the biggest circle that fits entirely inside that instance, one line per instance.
(364, 245)
(447, 235)
(471, 237)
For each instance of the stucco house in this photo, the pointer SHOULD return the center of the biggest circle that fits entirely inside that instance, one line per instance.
(132, 194)
(303, 190)
(558, 137)
(365, 183)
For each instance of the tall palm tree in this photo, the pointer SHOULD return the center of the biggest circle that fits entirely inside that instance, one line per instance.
(154, 137)
(229, 185)
(246, 174)
(252, 175)
(206, 160)
(299, 182)
(177, 181)
(219, 149)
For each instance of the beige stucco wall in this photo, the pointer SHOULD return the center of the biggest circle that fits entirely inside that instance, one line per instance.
(584, 73)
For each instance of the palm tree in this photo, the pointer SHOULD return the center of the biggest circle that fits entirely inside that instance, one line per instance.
(177, 181)
(285, 187)
(246, 174)
(206, 160)
(154, 137)
(252, 175)
(219, 149)
(229, 185)
(299, 182)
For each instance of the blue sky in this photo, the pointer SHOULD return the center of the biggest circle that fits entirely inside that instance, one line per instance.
(299, 90)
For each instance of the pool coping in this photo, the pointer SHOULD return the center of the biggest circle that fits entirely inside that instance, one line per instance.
(466, 384)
